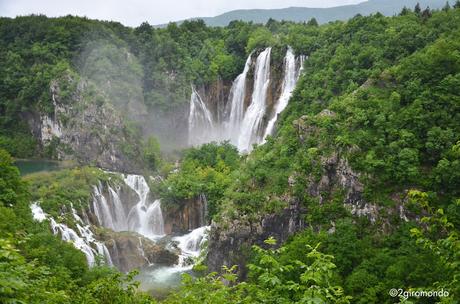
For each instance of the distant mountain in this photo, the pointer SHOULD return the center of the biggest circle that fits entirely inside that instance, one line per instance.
(322, 15)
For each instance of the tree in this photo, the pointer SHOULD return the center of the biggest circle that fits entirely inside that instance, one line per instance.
(457, 4)
(426, 13)
(405, 11)
(312, 22)
(417, 9)
(151, 152)
(11, 186)
(446, 7)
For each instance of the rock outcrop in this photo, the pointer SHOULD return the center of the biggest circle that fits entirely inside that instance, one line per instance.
(87, 129)
(190, 215)
(130, 250)
(231, 245)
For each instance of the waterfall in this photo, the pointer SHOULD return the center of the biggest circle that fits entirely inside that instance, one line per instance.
(241, 127)
(253, 117)
(291, 74)
(236, 103)
(190, 244)
(119, 221)
(83, 241)
(140, 247)
(101, 208)
(201, 126)
(145, 218)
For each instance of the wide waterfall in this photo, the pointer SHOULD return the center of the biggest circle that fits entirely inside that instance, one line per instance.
(145, 217)
(291, 75)
(242, 126)
(83, 240)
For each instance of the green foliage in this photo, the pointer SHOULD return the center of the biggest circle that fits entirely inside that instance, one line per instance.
(440, 236)
(204, 171)
(260, 38)
(271, 281)
(151, 153)
(11, 187)
(65, 187)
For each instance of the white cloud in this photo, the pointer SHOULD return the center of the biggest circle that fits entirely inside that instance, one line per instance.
(134, 12)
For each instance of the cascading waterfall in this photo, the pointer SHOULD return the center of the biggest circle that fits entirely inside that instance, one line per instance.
(101, 208)
(119, 221)
(145, 217)
(241, 127)
(84, 240)
(190, 244)
(291, 74)
(250, 126)
(236, 103)
(201, 125)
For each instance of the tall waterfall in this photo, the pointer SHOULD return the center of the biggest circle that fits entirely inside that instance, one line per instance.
(291, 74)
(252, 120)
(83, 240)
(145, 217)
(236, 103)
(245, 127)
(201, 126)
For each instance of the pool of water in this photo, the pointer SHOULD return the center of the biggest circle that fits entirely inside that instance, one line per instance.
(29, 166)
(159, 281)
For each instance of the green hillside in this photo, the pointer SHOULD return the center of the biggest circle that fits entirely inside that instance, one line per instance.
(366, 155)
(322, 15)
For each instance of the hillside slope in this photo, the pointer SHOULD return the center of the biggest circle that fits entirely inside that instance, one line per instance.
(322, 15)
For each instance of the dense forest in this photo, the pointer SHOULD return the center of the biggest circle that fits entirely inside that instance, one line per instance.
(368, 150)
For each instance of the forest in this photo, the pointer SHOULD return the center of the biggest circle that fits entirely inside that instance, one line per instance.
(368, 149)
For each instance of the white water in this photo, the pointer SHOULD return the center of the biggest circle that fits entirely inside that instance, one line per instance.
(201, 125)
(190, 245)
(145, 217)
(83, 241)
(245, 127)
(252, 120)
(236, 103)
(291, 74)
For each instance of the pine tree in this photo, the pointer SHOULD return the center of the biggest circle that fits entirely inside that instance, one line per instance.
(446, 7)
(457, 4)
(417, 9)
(405, 11)
(426, 13)
(312, 22)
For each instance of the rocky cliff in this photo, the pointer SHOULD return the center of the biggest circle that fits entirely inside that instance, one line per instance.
(84, 126)
(189, 215)
(230, 243)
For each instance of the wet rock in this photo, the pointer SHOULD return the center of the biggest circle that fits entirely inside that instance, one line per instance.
(230, 243)
(130, 250)
(185, 217)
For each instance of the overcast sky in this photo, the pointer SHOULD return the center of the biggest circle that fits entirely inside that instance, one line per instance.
(134, 12)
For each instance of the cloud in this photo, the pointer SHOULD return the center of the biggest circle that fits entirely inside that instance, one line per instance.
(134, 12)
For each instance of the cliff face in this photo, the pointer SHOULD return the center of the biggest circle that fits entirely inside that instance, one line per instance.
(231, 245)
(190, 215)
(86, 128)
